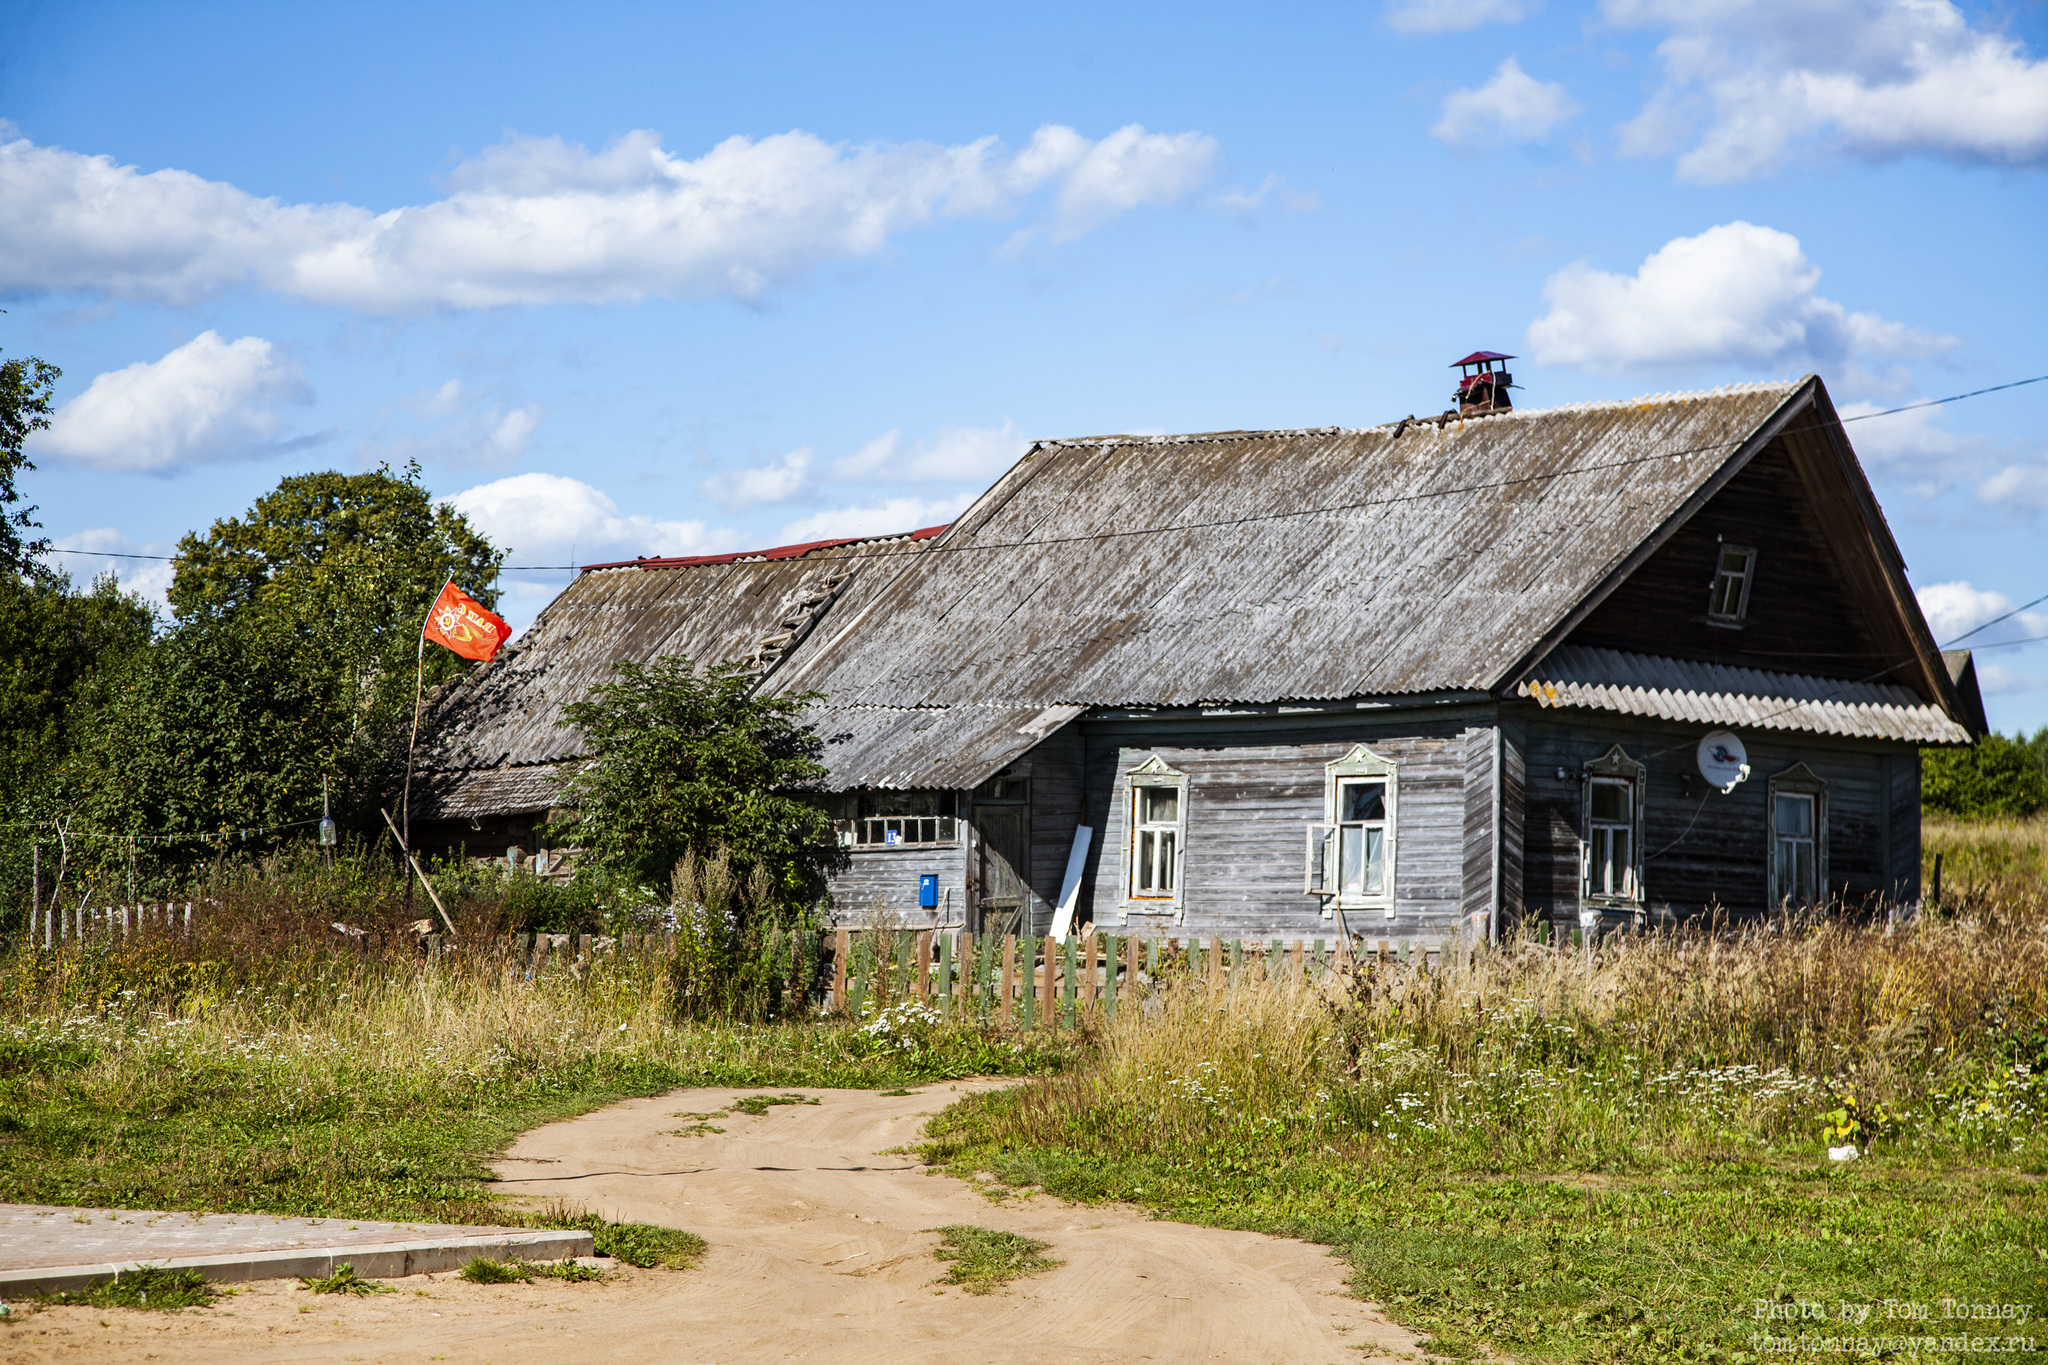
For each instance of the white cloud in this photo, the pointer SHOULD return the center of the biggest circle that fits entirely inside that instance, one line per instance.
(969, 455)
(1994, 679)
(1241, 203)
(150, 578)
(2017, 486)
(547, 518)
(1748, 84)
(1953, 609)
(876, 519)
(537, 220)
(778, 481)
(1737, 294)
(1452, 16)
(460, 426)
(202, 403)
(1512, 107)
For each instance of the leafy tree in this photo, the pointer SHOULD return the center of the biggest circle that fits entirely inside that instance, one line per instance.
(57, 645)
(350, 562)
(25, 389)
(686, 759)
(291, 658)
(1992, 779)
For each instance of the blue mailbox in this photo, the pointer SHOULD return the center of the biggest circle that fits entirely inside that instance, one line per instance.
(928, 890)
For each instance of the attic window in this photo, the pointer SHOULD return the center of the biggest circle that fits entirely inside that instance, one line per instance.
(1733, 571)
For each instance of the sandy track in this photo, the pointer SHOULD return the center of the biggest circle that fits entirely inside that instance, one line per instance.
(820, 1251)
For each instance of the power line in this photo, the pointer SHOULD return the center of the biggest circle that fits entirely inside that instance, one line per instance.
(1457, 490)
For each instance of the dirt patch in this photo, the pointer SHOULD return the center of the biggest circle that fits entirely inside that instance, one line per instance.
(821, 1247)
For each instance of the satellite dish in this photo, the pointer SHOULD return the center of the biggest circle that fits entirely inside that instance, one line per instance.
(1723, 761)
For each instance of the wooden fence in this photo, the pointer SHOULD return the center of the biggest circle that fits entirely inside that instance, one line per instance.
(77, 924)
(1010, 981)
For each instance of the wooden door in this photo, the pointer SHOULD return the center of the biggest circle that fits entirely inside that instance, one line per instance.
(1005, 897)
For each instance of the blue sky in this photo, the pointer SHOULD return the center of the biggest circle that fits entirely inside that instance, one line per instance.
(662, 279)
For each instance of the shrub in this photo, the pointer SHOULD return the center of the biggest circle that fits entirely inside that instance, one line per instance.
(1996, 778)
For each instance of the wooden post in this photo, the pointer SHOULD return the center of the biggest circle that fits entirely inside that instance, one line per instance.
(35, 895)
(840, 950)
(1068, 983)
(1009, 976)
(1112, 949)
(1215, 963)
(1152, 960)
(1091, 957)
(924, 964)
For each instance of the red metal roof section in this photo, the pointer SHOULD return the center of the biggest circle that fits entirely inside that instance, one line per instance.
(779, 552)
(1476, 357)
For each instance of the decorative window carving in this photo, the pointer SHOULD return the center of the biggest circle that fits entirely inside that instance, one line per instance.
(1734, 570)
(1350, 860)
(1798, 817)
(1153, 854)
(1611, 855)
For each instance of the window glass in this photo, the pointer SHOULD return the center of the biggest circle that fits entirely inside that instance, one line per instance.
(1363, 801)
(1360, 859)
(1611, 800)
(1795, 815)
(1159, 805)
(1731, 581)
(1153, 875)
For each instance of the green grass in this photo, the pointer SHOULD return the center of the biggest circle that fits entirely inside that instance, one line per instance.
(484, 1270)
(984, 1260)
(370, 1090)
(757, 1105)
(151, 1287)
(1665, 1263)
(344, 1280)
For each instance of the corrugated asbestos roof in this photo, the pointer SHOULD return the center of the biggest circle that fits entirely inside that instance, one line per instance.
(1278, 565)
(497, 734)
(1722, 694)
(1232, 567)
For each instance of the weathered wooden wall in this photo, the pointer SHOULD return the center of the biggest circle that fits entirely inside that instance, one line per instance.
(1706, 849)
(885, 880)
(1803, 616)
(1252, 790)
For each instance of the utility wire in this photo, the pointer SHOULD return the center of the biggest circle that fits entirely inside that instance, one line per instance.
(1481, 487)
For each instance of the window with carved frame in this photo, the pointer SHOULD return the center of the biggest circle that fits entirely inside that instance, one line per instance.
(1611, 853)
(1157, 810)
(1798, 831)
(1350, 859)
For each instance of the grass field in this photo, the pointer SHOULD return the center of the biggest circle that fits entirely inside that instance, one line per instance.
(340, 1085)
(1547, 1157)
(1533, 1155)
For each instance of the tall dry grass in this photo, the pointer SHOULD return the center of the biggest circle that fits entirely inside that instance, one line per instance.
(1668, 1045)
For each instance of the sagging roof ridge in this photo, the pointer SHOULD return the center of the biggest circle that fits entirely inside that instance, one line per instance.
(800, 550)
(1449, 419)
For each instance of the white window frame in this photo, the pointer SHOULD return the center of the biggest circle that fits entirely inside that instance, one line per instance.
(1612, 767)
(1321, 871)
(1153, 773)
(1746, 579)
(1798, 781)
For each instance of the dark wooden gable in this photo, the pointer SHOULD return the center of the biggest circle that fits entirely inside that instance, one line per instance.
(1828, 594)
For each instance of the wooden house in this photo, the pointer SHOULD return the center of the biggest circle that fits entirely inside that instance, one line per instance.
(1402, 681)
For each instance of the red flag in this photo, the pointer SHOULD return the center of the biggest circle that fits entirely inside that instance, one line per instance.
(465, 625)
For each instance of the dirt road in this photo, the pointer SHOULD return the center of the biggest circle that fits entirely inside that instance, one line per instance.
(820, 1251)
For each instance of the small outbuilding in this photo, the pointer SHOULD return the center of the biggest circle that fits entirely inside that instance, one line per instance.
(1404, 681)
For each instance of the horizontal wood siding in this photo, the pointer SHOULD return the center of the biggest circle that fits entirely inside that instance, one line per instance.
(1704, 849)
(884, 881)
(1803, 617)
(1905, 827)
(1251, 794)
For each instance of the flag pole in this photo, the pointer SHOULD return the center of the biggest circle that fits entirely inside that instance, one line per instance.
(419, 691)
